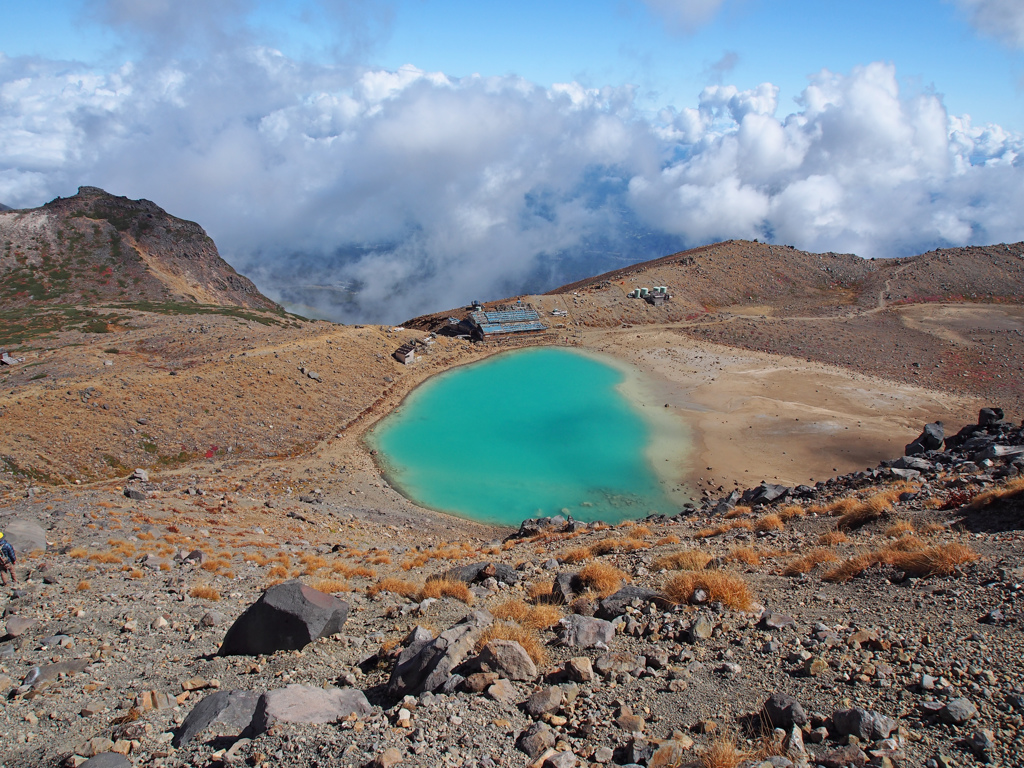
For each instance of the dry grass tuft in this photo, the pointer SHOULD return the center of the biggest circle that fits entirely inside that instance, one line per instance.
(928, 528)
(330, 586)
(532, 616)
(204, 592)
(832, 538)
(78, 552)
(277, 572)
(395, 586)
(670, 539)
(1012, 489)
(863, 512)
(746, 555)
(83, 586)
(739, 511)
(639, 532)
(527, 637)
(808, 562)
(722, 586)
(576, 555)
(769, 523)
(690, 560)
(540, 591)
(793, 510)
(602, 578)
(438, 588)
(718, 530)
(898, 529)
(723, 752)
(609, 546)
(106, 557)
(911, 556)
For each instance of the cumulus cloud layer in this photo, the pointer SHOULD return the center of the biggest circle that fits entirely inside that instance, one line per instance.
(377, 195)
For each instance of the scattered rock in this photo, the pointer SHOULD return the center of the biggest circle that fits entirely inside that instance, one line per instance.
(224, 713)
(307, 704)
(508, 659)
(586, 632)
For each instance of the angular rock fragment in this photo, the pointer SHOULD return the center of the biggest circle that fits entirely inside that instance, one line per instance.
(307, 704)
(287, 617)
(586, 632)
(224, 713)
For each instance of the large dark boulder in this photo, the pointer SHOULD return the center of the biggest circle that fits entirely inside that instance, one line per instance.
(224, 713)
(765, 493)
(287, 617)
(930, 439)
(783, 711)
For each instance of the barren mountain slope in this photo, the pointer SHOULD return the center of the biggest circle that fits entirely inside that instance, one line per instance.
(95, 247)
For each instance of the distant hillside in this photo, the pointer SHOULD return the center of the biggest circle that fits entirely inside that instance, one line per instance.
(785, 281)
(95, 247)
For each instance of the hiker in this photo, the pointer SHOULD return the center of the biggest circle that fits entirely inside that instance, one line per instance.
(7, 560)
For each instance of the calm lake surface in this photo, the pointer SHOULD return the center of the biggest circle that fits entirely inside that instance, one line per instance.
(530, 433)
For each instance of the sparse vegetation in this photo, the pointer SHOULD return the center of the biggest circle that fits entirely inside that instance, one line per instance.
(689, 560)
(438, 588)
(722, 586)
(602, 578)
(204, 592)
(525, 636)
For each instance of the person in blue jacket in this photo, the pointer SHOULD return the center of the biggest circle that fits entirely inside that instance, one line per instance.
(7, 560)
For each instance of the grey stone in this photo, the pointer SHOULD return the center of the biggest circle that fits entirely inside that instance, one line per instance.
(536, 739)
(46, 672)
(509, 659)
(958, 711)
(307, 704)
(25, 535)
(586, 632)
(866, 725)
(213, 619)
(842, 757)
(701, 629)
(426, 662)
(615, 605)
(777, 620)
(19, 625)
(579, 669)
(547, 699)
(563, 588)
(224, 713)
(784, 711)
(286, 617)
(983, 744)
(502, 691)
(561, 760)
(135, 494)
(107, 760)
(612, 663)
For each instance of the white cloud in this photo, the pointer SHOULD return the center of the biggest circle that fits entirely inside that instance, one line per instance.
(418, 191)
(1001, 19)
(685, 16)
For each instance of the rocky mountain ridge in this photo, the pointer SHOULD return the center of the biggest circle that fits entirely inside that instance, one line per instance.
(95, 248)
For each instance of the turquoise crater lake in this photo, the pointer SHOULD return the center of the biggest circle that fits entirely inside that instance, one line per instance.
(529, 433)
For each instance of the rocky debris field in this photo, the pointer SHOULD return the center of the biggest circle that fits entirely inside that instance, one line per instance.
(872, 619)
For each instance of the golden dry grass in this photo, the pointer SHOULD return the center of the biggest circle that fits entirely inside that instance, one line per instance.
(527, 637)
(576, 555)
(204, 592)
(928, 528)
(438, 588)
(789, 512)
(395, 586)
(602, 578)
(1011, 489)
(723, 752)
(832, 538)
(723, 586)
(277, 572)
(330, 586)
(533, 616)
(807, 563)
(738, 511)
(769, 523)
(899, 528)
(746, 555)
(718, 530)
(106, 557)
(78, 552)
(83, 586)
(639, 532)
(540, 592)
(609, 546)
(911, 556)
(670, 539)
(689, 560)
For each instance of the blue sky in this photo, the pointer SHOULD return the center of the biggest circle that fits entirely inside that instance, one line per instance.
(481, 148)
